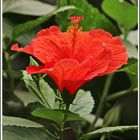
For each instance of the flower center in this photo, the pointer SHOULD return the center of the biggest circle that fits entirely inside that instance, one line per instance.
(75, 19)
(74, 31)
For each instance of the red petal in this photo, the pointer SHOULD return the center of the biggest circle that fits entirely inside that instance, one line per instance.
(61, 70)
(118, 60)
(76, 78)
(48, 48)
(27, 49)
(119, 55)
(70, 72)
(72, 85)
(100, 34)
(40, 55)
(58, 73)
(48, 31)
(99, 64)
(64, 71)
(35, 69)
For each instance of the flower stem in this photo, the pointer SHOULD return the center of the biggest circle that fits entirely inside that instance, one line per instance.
(67, 106)
(116, 95)
(102, 137)
(52, 135)
(102, 100)
(68, 2)
(61, 131)
(8, 70)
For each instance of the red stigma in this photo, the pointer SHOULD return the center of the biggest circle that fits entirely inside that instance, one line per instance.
(75, 19)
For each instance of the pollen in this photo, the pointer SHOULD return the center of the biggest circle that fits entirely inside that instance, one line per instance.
(75, 20)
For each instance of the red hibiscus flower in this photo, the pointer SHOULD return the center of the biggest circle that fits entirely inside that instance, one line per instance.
(74, 57)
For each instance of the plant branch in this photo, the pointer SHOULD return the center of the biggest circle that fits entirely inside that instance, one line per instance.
(116, 95)
(102, 100)
(52, 135)
(8, 67)
(67, 107)
(61, 130)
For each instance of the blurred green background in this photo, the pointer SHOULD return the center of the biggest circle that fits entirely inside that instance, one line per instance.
(23, 18)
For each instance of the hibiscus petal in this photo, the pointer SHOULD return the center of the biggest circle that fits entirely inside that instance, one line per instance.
(76, 77)
(100, 34)
(48, 31)
(72, 85)
(35, 69)
(58, 73)
(99, 64)
(116, 40)
(40, 55)
(49, 47)
(119, 55)
(27, 49)
(119, 58)
(63, 72)
(84, 46)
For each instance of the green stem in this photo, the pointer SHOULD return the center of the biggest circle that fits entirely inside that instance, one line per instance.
(124, 32)
(60, 99)
(116, 95)
(68, 2)
(102, 100)
(58, 3)
(67, 107)
(12, 57)
(102, 137)
(52, 135)
(61, 131)
(8, 68)
(58, 96)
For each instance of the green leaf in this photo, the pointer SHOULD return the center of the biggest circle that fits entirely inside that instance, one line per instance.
(134, 1)
(16, 121)
(133, 37)
(118, 10)
(132, 70)
(31, 85)
(53, 115)
(69, 116)
(40, 89)
(7, 27)
(21, 133)
(33, 62)
(107, 130)
(91, 117)
(131, 49)
(47, 92)
(27, 7)
(26, 38)
(93, 18)
(83, 103)
(57, 116)
(29, 25)
(112, 117)
(25, 97)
